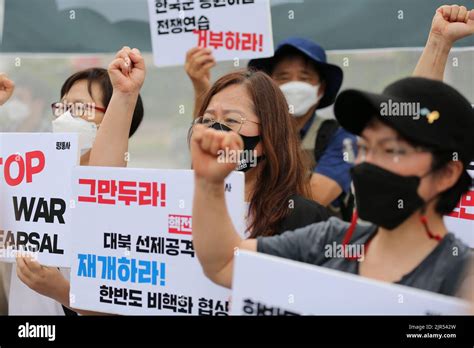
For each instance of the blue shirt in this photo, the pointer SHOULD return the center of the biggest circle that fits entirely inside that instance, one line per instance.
(332, 163)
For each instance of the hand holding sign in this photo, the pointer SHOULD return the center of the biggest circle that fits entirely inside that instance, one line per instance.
(453, 22)
(127, 71)
(47, 281)
(199, 62)
(206, 144)
(6, 88)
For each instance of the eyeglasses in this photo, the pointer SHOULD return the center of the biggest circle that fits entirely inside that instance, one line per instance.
(76, 109)
(233, 122)
(387, 151)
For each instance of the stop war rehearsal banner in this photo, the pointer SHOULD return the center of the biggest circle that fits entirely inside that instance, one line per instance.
(268, 285)
(177, 26)
(132, 241)
(35, 195)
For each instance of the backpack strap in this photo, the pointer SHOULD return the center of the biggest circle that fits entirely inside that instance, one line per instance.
(326, 131)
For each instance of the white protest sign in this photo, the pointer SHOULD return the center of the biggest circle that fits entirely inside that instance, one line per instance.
(461, 220)
(35, 193)
(269, 285)
(132, 243)
(233, 29)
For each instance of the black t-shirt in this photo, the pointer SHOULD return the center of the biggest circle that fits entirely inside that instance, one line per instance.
(442, 271)
(303, 212)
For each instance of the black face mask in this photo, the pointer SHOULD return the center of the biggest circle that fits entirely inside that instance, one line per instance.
(385, 198)
(249, 145)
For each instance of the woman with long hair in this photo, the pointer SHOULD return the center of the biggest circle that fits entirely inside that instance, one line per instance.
(251, 104)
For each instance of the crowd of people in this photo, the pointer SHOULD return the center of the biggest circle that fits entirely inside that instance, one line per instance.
(309, 180)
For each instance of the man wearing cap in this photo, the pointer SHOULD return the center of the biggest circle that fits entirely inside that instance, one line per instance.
(410, 172)
(309, 83)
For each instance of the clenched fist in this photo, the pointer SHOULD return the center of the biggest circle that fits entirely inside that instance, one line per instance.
(453, 22)
(127, 71)
(211, 153)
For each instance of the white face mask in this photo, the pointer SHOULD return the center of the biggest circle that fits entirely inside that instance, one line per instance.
(68, 124)
(300, 96)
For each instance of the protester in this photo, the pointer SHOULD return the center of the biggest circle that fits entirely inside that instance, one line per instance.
(91, 100)
(250, 104)
(309, 83)
(450, 24)
(410, 172)
(85, 97)
(410, 169)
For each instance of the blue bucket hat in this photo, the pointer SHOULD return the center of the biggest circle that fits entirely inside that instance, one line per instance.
(331, 74)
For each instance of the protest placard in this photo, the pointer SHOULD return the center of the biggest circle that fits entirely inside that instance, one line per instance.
(35, 171)
(269, 285)
(132, 242)
(178, 26)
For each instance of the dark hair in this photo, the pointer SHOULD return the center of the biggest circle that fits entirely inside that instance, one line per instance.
(449, 199)
(287, 52)
(101, 76)
(282, 173)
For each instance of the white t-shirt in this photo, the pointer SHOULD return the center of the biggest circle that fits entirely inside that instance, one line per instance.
(24, 301)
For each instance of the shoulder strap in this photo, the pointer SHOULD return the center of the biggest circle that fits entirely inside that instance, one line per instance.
(327, 129)
(307, 143)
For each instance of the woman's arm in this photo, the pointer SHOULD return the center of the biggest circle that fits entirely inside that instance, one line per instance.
(450, 23)
(214, 236)
(127, 74)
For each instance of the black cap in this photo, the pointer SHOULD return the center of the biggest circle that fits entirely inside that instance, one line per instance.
(425, 112)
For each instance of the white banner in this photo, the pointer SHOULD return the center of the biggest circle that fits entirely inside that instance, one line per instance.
(268, 285)
(35, 171)
(461, 220)
(176, 27)
(132, 243)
